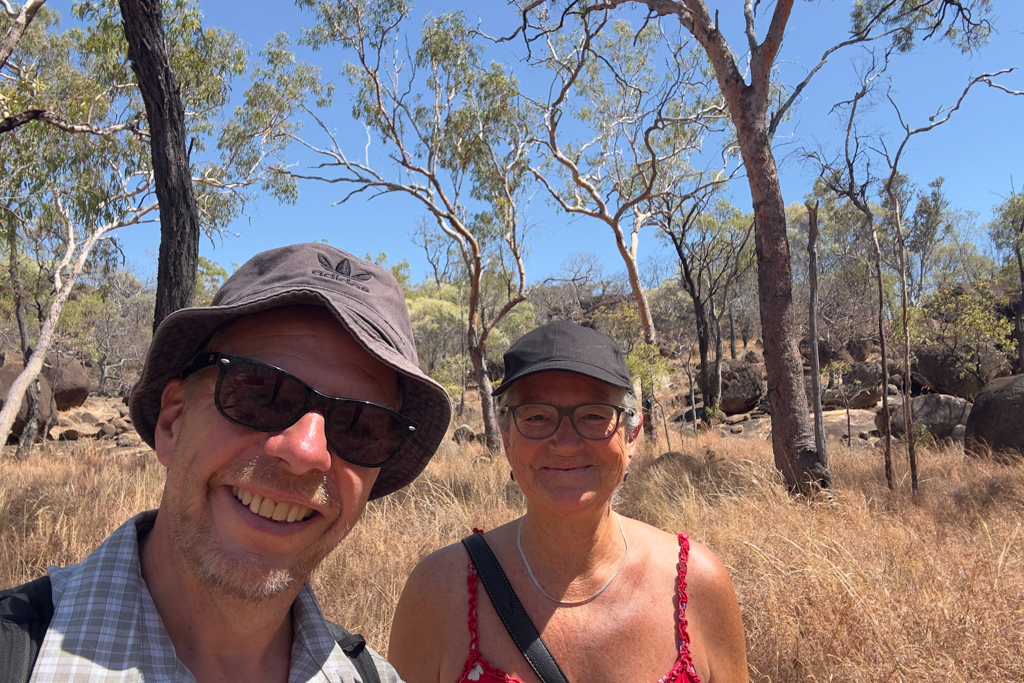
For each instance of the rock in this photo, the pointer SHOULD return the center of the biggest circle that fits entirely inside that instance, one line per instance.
(106, 431)
(44, 412)
(742, 386)
(121, 425)
(127, 440)
(86, 418)
(893, 390)
(688, 414)
(753, 357)
(69, 434)
(959, 435)
(463, 434)
(826, 354)
(68, 378)
(736, 419)
(448, 449)
(995, 424)
(938, 413)
(937, 369)
(736, 429)
(859, 349)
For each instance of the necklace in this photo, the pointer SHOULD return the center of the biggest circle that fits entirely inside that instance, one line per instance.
(572, 603)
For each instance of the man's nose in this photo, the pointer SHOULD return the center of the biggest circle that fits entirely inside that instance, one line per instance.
(303, 446)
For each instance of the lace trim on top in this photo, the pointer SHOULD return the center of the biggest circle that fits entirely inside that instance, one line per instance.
(479, 670)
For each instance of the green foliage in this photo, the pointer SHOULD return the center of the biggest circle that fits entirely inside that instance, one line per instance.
(968, 26)
(646, 363)
(209, 278)
(964, 320)
(108, 324)
(1007, 230)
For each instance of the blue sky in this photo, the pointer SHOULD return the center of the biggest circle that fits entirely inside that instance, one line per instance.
(979, 151)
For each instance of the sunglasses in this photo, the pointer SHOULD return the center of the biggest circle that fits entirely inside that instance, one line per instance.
(264, 398)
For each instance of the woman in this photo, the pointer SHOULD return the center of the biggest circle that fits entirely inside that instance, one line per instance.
(613, 598)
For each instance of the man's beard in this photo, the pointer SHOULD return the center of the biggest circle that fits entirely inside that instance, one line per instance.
(246, 576)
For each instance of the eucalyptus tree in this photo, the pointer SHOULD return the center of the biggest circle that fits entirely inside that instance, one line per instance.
(622, 115)
(1007, 233)
(714, 251)
(869, 168)
(756, 107)
(455, 139)
(65, 190)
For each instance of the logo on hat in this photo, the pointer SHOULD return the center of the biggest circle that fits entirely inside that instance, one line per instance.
(341, 272)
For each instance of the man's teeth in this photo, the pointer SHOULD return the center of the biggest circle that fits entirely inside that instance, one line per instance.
(271, 509)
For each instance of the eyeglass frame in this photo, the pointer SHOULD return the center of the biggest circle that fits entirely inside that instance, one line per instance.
(314, 399)
(619, 410)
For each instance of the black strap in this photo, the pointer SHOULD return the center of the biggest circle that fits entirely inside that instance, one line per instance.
(354, 645)
(25, 614)
(511, 612)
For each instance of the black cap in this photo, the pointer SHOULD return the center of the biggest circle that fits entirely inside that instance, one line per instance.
(564, 345)
(367, 301)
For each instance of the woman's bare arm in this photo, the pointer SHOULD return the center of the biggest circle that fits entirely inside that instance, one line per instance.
(423, 633)
(715, 613)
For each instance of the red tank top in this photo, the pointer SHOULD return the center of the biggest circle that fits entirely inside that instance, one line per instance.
(479, 670)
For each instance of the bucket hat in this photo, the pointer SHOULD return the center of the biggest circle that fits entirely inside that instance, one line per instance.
(367, 301)
(564, 345)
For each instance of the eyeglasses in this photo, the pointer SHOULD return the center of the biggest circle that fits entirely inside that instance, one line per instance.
(263, 398)
(591, 421)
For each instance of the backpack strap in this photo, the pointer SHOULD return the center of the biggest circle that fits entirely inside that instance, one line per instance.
(354, 647)
(25, 614)
(511, 612)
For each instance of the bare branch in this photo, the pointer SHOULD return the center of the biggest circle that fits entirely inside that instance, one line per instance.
(21, 21)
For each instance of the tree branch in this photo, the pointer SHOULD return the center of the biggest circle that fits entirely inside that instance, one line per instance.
(21, 21)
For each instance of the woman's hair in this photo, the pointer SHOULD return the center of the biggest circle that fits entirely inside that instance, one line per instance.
(627, 399)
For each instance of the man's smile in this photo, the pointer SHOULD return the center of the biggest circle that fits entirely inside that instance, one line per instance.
(269, 508)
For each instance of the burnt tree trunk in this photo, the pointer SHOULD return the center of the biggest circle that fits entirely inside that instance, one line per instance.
(1019, 253)
(179, 213)
(812, 267)
(886, 425)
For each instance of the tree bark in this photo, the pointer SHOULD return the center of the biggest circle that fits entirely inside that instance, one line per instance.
(812, 267)
(1019, 253)
(908, 426)
(179, 213)
(483, 382)
(18, 28)
(732, 334)
(792, 435)
(886, 426)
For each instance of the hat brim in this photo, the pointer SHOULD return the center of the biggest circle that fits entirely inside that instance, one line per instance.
(564, 365)
(184, 333)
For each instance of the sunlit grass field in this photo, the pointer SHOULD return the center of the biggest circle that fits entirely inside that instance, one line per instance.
(872, 586)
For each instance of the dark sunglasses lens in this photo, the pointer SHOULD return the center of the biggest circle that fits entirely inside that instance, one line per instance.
(259, 397)
(364, 434)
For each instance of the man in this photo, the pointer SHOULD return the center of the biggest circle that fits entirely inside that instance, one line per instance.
(267, 470)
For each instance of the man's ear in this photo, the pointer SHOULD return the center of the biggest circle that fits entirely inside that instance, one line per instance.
(168, 422)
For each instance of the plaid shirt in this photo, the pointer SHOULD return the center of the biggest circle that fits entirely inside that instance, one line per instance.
(106, 627)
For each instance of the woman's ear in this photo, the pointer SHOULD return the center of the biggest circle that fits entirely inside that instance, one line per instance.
(632, 434)
(168, 422)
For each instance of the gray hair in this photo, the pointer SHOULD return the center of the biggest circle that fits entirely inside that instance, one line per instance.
(627, 399)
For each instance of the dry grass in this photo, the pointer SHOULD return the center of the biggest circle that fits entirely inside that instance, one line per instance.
(871, 587)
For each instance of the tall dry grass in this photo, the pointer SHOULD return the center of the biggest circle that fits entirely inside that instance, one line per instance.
(872, 586)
